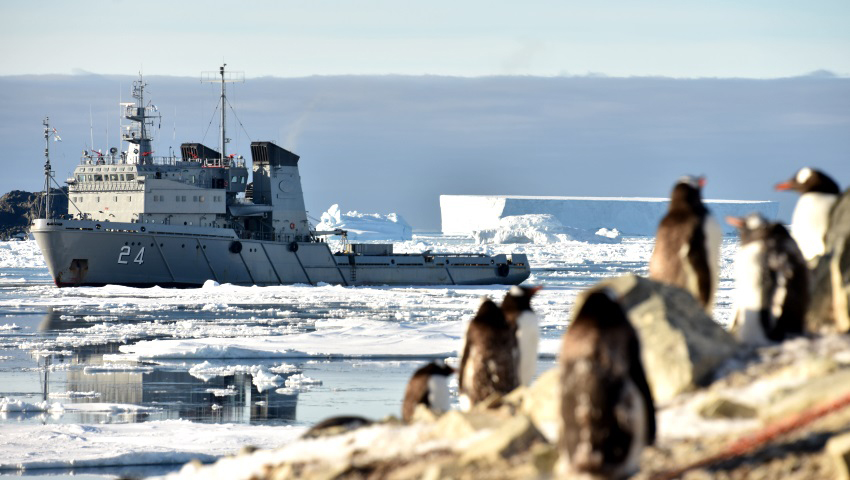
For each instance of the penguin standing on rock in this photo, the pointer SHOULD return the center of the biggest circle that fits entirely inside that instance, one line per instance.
(489, 362)
(517, 309)
(772, 282)
(607, 411)
(687, 244)
(809, 222)
(429, 386)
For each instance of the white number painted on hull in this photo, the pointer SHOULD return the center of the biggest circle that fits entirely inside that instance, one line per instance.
(125, 252)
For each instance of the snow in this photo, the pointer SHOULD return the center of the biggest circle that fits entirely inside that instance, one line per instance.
(30, 447)
(464, 214)
(541, 229)
(366, 226)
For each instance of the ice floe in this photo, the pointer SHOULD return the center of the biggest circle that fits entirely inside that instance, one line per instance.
(366, 226)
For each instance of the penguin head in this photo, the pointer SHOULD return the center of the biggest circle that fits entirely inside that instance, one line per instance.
(687, 194)
(489, 313)
(518, 298)
(752, 227)
(437, 367)
(807, 180)
(602, 309)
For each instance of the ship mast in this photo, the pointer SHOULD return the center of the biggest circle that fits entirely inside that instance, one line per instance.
(225, 77)
(137, 133)
(48, 170)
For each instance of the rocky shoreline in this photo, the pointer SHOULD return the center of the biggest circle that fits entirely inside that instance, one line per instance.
(711, 394)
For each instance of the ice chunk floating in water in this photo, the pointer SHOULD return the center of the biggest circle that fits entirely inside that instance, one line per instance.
(366, 226)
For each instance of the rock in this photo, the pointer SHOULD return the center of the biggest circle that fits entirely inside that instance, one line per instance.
(830, 308)
(720, 407)
(541, 402)
(838, 448)
(814, 392)
(680, 344)
(513, 436)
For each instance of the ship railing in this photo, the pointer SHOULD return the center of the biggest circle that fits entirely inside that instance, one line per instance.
(131, 186)
(272, 237)
(95, 158)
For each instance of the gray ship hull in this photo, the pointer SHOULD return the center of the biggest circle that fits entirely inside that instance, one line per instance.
(89, 253)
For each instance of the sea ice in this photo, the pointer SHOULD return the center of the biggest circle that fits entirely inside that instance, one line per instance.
(541, 229)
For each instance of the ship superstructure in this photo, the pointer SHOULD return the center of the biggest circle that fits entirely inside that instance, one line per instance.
(141, 219)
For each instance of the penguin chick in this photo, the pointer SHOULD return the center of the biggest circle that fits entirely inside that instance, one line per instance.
(607, 410)
(687, 244)
(429, 386)
(771, 282)
(488, 364)
(809, 222)
(517, 309)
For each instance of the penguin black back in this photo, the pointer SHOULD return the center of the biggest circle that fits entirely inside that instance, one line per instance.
(687, 244)
(607, 410)
(516, 301)
(420, 390)
(489, 361)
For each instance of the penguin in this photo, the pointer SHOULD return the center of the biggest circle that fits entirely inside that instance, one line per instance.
(336, 425)
(607, 410)
(517, 309)
(488, 364)
(771, 282)
(429, 386)
(687, 244)
(809, 222)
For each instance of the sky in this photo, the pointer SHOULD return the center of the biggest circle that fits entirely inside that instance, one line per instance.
(674, 38)
(391, 104)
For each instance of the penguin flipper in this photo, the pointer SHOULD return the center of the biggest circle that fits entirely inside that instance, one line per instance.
(698, 257)
(638, 376)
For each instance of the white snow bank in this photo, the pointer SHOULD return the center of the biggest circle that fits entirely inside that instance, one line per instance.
(541, 229)
(151, 443)
(462, 214)
(366, 226)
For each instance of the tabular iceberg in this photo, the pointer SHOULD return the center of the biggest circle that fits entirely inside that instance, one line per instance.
(464, 214)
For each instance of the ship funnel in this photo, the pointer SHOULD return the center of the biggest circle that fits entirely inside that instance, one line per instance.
(277, 182)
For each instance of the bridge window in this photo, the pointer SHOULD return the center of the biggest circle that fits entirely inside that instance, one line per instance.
(130, 176)
(98, 178)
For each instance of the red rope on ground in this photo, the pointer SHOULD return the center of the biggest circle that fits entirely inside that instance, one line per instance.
(761, 437)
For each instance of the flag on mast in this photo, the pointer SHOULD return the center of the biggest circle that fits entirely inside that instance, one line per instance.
(56, 137)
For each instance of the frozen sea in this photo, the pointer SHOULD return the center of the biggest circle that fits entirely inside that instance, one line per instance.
(110, 381)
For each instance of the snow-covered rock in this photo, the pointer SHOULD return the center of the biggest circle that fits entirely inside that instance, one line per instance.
(366, 226)
(462, 214)
(541, 229)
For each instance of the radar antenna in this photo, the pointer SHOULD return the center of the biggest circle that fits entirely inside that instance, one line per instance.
(48, 170)
(225, 77)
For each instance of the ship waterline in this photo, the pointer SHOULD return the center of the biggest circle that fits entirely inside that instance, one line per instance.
(89, 253)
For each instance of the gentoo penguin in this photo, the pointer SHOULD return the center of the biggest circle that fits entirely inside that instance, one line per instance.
(336, 425)
(517, 309)
(687, 244)
(429, 386)
(488, 364)
(607, 410)
(771, 282)
(818, 193)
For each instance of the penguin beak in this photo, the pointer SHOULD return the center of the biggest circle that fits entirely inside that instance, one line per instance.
(536, 289)
(735, 222)
(784, 186)
(701, 181)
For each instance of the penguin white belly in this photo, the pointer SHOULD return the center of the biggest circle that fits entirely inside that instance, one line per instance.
(810, 221)
(528, 338)
(438, 393)
(749, 285)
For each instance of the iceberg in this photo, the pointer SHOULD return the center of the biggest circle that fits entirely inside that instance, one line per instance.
(464, 214)
(366, 226)
(541, 229)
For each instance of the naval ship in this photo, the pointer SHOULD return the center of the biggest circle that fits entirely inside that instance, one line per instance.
(137, 219)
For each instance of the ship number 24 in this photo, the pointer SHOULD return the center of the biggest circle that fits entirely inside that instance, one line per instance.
(125, 253)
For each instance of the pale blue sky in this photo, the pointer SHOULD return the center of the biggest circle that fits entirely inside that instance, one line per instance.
(684, 38)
